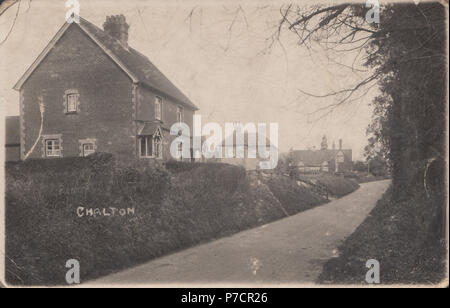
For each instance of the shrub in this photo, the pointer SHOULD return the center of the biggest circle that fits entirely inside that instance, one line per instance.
(293, 197)
(189, 204)
(336, 185)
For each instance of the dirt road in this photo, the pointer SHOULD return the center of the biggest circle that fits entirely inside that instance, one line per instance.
(291, 250)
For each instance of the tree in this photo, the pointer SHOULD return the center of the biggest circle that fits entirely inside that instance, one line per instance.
(406, 55)
(360, 166)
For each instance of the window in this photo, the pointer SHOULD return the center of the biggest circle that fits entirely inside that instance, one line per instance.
(87, 146)
(52, 148)
(151, 145)
(88, 149)
(180, 150)
(72, 103)
(180, 114)
(157, 147)
(145, 144)
(340, 157)
(158, 108)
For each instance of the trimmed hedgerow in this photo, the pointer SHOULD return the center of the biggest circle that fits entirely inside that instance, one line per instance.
(163, 211)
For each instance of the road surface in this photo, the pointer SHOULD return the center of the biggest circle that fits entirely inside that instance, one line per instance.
(291, 250)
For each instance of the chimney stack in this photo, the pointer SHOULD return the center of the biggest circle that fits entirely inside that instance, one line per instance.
(117, 27)
(340, 144)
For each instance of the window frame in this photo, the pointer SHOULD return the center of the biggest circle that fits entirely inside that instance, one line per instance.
(91, 151)
(146, 138)
(68, 95)
(53, 141)
(158, 102)
(82, 142)
(180, 114)
(180, 150)
(73, 103)
(340, 157)
(157, 143)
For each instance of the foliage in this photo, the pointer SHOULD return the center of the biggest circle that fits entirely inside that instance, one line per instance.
(190, 204)
(360, 166)
(406, 237)
(406, 57)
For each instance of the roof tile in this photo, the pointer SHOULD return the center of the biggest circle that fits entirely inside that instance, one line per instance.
(138, 64)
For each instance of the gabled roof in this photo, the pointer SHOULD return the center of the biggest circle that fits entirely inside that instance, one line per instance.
(317, 157)
(137, 66)
(150, 128)
(12, 129)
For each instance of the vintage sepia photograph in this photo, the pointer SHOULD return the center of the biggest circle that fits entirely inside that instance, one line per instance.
(224, 144)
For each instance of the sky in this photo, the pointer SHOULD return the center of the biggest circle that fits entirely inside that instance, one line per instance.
(218, 54)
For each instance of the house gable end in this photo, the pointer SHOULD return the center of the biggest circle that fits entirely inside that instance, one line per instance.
(61, 32)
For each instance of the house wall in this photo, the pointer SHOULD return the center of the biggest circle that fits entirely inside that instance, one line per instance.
(345, 166)
(146, 112)
(105, 96)
(12, 153)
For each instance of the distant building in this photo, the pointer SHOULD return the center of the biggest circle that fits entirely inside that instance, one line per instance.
(229, 145)
(12, 138)
(324, 160)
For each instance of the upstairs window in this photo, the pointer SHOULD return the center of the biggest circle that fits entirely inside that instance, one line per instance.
(340, 157)
(180, 150)
(158, 108)
(179, 114)
(71, 101)
(52, 148)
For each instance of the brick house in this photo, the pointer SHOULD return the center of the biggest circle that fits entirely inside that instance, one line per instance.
(90, 91)
(324, 160)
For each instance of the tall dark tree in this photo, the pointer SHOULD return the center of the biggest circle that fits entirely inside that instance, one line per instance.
(406, 55)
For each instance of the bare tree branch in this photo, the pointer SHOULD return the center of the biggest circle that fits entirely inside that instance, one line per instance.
(14, 20)
(6, 5)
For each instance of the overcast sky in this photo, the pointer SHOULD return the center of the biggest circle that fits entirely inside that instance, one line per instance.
(217, 56)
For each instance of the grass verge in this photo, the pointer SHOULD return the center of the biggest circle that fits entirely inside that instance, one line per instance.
(110, 217)
(405, 237)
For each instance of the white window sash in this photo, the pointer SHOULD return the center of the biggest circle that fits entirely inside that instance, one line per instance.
(179, 114)
(88, 148)
(72, 102)
(52, 148)
(144, 142)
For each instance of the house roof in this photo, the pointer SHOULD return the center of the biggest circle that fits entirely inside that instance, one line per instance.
(139, 68)
(12, 130)
(317, 157)
(150, 128)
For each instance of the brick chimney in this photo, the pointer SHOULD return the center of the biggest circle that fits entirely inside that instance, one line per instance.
(340, 144)
(117, 27)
